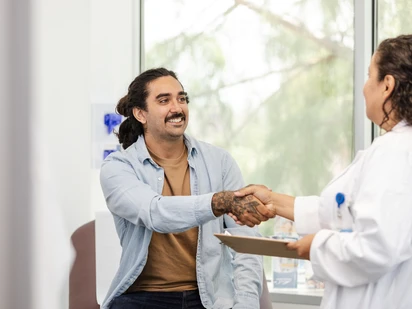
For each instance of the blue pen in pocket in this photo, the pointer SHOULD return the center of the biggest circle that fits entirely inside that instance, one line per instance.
(340, 200)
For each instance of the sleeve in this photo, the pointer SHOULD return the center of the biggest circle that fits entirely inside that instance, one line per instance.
(382, 213)
(247, 268)
(135, 201)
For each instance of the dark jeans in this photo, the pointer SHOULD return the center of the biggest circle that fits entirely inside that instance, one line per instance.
(158, 300)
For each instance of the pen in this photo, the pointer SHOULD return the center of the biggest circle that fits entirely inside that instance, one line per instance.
(340, 199)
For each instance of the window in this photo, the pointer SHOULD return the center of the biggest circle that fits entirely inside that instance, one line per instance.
(270, 81)
(392, 19)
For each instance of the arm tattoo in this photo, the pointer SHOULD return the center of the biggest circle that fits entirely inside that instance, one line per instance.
(225, 202)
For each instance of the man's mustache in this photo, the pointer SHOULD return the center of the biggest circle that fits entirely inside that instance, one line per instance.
(181, 115)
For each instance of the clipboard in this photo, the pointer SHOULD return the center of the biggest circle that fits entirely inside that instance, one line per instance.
(258, 245)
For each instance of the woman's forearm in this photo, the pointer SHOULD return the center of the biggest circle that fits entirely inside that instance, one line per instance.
(285, 205)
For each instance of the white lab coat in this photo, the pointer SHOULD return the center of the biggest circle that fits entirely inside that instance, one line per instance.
(370, 267)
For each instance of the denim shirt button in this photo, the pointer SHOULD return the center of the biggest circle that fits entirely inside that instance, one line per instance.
(160, 178)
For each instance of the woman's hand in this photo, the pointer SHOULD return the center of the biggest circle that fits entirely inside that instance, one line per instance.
(302, 246)
(262, 193)
(277, 204)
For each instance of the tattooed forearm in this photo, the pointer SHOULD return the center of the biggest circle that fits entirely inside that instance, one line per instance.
(225, 202)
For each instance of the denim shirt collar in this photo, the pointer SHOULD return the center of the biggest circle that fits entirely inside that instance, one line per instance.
(143, 153)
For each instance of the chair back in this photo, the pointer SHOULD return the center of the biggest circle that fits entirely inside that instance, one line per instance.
(82, 281)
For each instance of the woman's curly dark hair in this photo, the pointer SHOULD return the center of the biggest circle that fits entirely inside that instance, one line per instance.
(394, 57)
(130, 129)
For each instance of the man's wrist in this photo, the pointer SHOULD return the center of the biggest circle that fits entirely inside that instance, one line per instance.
(221, 202)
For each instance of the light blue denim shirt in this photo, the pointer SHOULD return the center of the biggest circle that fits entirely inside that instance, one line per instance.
(132, 184)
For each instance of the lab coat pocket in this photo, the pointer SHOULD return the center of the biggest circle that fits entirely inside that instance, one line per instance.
(335, 212)
(344, 219)
(338, 198)
(337, 203)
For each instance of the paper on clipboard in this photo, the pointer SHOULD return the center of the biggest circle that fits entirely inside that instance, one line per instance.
(258, 245)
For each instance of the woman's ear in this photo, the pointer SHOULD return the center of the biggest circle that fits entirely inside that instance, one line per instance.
(139, 115)
(389, 82)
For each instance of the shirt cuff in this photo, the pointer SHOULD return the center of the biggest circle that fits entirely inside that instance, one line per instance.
(246, 301)
(203, 208)
(306, 211)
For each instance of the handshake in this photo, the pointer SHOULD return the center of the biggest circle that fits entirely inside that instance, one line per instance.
(249, 206)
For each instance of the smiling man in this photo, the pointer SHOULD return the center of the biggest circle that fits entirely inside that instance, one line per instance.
(169, 194)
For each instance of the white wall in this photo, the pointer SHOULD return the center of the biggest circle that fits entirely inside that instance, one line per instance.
(61, 141)
(113, 60)
(61, 63)
(83, 55)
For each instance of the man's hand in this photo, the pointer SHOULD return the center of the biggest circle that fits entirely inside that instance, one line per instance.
(262, 193)
(248, 209)
(302, 246)
(276, 203)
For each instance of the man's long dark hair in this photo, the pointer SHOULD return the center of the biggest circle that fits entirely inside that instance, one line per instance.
(130, 129)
